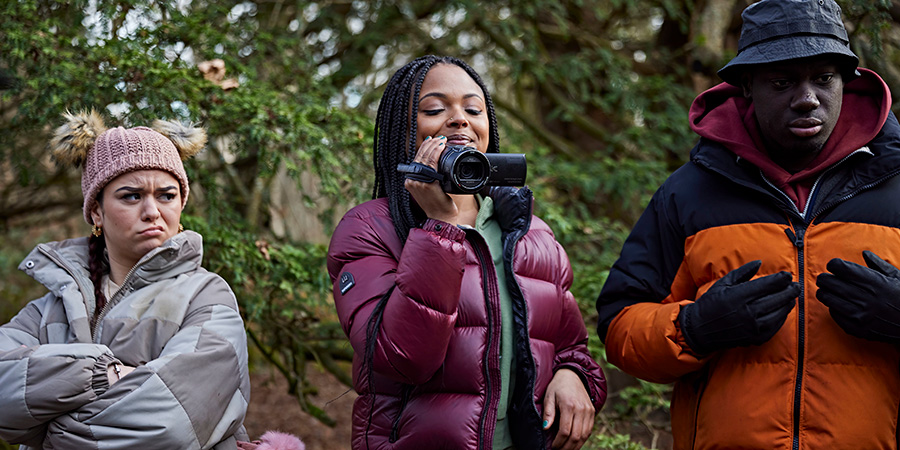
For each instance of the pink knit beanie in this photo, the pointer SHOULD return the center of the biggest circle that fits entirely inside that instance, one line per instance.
(106, 154)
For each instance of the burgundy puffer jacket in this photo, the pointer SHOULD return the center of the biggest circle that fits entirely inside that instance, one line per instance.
(426, 334)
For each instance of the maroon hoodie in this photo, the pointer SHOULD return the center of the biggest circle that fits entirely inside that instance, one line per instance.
(724, 115)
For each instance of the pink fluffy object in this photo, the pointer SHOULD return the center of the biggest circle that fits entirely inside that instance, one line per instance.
(274, 440)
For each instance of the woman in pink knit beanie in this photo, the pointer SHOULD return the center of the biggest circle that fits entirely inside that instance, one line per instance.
(135, 344)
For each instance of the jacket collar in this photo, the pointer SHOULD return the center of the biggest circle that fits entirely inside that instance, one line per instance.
(869, 168)
(56, 264)
(512, 207)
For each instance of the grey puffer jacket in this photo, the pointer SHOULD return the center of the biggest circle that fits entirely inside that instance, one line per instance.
(177, 323)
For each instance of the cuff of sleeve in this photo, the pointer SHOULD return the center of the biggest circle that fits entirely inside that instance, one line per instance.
(444, 230)
(100, 379)
(682, 338)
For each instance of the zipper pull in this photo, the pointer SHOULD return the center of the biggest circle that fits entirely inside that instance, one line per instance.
(796, 239)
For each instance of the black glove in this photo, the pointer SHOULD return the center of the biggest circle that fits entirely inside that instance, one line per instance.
(864, 301)
(737, 311)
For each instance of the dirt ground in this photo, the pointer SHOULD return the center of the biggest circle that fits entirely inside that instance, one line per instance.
(271, 408)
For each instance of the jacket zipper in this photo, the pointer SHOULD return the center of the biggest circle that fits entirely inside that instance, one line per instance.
(126, 285)
(490, 328)
(509, 249)
(797, 240)
(796, 210)
(701, 389)
(86, 292)
(857, 191)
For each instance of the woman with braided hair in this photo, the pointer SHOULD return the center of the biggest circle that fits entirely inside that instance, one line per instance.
(464, 332)
(135, 345)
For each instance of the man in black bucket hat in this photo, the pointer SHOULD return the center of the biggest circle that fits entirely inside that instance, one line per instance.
(761, 278)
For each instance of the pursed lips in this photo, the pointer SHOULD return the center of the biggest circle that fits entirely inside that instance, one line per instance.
(152, 231)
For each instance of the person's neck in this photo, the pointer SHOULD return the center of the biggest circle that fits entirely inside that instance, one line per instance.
(118, 269)
(791, 161)
(796, 164)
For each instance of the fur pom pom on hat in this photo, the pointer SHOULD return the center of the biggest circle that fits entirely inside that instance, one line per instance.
(104, 154)
(72, 140)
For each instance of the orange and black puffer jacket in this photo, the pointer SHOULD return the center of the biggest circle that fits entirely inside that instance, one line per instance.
(812, 386)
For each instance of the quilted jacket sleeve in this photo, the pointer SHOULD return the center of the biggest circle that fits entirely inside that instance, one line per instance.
(571, 348)
(192, 396)
(40, 382)
(637, 311)
(424, 282)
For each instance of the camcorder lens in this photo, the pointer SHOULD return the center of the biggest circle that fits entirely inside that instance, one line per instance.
(470, 169)
(465, 170)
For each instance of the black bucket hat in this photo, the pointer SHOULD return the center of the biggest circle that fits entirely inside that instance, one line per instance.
(780, 30)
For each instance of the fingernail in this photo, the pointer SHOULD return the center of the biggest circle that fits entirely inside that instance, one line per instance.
(546, 423)
(441, 137)
(427, 137)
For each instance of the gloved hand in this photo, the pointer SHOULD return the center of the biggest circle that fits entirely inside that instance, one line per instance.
(864, 301)
(737, 311)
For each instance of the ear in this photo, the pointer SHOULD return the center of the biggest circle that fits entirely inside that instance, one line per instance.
(96, 216)
(747, 84)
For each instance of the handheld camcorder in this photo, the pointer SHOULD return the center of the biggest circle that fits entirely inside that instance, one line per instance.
(464, 170)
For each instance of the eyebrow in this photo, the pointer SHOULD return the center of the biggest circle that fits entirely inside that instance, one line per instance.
(442, 95)
(137, 189)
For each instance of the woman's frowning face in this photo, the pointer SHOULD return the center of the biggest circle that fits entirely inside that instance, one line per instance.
(138, 211)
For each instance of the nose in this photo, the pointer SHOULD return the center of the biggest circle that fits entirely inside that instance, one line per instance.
(458, 120)
(149, 209)
(805, 98)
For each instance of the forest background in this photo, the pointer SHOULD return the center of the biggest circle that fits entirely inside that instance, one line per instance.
(596, 94)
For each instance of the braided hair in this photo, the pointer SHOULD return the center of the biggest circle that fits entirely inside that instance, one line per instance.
(97, 267)
(395, 135)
